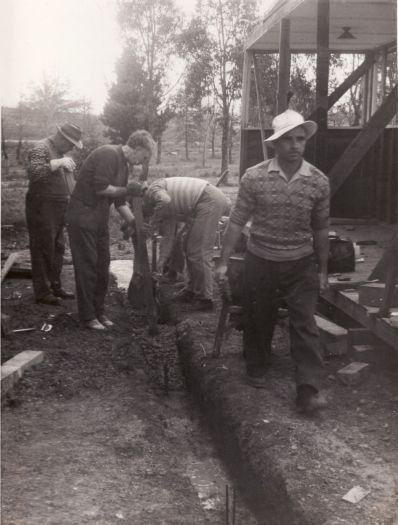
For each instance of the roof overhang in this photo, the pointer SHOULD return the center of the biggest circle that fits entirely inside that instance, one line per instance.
(372, 22)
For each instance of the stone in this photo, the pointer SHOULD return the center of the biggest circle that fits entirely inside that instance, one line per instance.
(363, 353)
(353, 373)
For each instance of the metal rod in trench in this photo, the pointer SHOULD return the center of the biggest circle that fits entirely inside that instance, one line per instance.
(166, 378)
(226, 504)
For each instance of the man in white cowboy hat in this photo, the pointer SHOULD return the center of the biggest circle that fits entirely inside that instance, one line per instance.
(51, 180)
(287, 200)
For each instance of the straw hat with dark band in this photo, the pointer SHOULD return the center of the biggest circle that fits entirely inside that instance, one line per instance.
(72, 133)
(289, 120)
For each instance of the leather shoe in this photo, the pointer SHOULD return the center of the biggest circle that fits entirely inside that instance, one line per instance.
(63, 294)
(94, 324)
(49, 299)
(103, 319)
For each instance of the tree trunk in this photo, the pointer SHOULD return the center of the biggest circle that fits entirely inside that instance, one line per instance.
(159, 150)
(3, 142)
(205, 141)
(224, 139)
(230, 140)
(186, 135)
(213, 140)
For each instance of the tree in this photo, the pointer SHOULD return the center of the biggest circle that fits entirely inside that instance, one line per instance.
(148, 27)
(124, 110)
(49, 99)
(215, 39)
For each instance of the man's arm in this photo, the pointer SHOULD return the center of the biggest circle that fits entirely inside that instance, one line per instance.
(230, 238)
(133, 188)
(126, 214)
(321, 249)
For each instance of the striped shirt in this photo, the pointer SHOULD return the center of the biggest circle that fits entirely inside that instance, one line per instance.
(284, 212)
(174, 197)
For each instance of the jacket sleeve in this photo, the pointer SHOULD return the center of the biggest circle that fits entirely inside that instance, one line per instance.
(38, 163)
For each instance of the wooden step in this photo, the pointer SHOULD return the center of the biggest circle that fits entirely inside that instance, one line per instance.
(334, 338)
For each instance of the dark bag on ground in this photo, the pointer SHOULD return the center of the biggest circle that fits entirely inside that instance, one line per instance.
(341, 255)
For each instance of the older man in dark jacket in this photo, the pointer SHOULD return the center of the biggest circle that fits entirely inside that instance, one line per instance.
(50, 184)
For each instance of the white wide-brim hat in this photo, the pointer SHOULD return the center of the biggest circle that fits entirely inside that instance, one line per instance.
(289, 120)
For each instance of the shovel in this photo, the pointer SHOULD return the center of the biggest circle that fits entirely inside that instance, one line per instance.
(141, 288)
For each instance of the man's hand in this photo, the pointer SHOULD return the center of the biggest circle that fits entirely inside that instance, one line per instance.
(128, 229)
(147, 230)
(221, 273)
(323, 282)
(134, 189)
(65, 162)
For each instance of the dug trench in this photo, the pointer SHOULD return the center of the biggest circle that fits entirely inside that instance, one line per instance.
(98, 432)
(102, 430)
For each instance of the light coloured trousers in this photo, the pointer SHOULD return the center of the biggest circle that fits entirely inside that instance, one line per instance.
(200, 241)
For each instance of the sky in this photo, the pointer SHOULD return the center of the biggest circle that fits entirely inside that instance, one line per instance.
(76, 41)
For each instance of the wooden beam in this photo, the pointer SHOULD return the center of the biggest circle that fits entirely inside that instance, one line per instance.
(384, 54)
(284, 66)
(260, 108)
(322, 81)
(8, 265)
(366, 316)
(363, 141)
(373, 101)
(246, 81)
(244, 120)
(346, 84)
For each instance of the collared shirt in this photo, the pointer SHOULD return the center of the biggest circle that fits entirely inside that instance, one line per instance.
(284, 212)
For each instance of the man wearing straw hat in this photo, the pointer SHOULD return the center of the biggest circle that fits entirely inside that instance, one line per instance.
(51, 181)
(287, 200)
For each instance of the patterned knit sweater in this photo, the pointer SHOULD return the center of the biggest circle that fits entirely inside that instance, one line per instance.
(284, 213)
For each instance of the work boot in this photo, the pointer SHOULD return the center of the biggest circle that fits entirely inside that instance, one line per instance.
(49, 299)
(63, 294)
(309, 400)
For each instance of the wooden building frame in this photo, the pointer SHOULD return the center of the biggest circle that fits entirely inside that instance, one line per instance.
(316, 26)
(351, 157)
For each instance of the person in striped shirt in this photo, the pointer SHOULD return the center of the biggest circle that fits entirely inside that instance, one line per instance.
(287, 200)
(199, 205)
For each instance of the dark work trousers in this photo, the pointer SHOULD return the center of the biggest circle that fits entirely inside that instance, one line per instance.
(89, 242)
(297, 283)
(45, 219)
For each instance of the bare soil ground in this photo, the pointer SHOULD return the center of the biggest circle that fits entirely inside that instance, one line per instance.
(90, 436)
